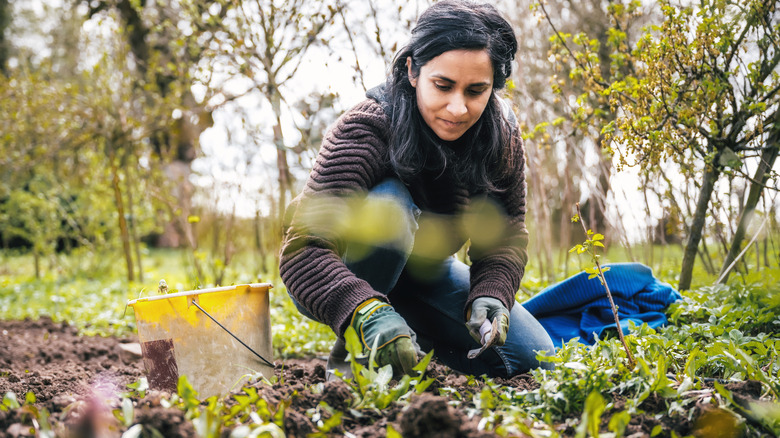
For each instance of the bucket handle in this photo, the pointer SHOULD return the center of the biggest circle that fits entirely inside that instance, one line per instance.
(195, 303)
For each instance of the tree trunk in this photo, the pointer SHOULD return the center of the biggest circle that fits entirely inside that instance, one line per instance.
(37, 263)
(133, 228)
(566, 206)
(697, 226)
(766, 252)
(259, 241)
(285, 177)
(5, 20)
(120, 208)
(542, 217)
(768, 158)
(650, 228)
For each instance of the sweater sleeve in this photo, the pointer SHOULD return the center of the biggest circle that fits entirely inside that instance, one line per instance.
(496, 270)
(351, 160)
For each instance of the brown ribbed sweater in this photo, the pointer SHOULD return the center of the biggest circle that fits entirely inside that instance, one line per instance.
(353, 158)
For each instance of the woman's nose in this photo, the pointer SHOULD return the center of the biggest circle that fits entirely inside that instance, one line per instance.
(457, 106)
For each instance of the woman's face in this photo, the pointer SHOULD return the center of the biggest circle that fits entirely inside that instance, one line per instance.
(453, 90)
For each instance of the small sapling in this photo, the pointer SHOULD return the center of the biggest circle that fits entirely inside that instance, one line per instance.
(590, 245)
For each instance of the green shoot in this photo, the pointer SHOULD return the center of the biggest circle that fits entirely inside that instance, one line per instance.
(592, 242)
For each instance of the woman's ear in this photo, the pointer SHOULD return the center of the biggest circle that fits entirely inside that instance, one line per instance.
(412, 78)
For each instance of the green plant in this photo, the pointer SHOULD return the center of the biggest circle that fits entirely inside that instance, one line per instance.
(371, 385)
(593, 241)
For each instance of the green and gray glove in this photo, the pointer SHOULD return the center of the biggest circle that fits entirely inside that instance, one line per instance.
(488, 308)
(376, 322)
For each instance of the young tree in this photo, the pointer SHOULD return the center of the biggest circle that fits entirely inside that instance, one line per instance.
(701, 89)
(165, 44)
(566, 149)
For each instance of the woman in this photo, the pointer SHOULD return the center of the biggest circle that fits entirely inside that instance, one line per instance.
(402, 180)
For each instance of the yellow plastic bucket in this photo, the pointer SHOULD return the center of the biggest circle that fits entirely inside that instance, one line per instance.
(179, 338)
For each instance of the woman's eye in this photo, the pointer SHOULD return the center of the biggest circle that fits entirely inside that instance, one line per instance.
(442, 87)
(476, 92)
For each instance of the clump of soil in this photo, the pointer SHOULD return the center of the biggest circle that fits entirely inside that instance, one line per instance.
(337, 395)
(168, 422)
(429, 416)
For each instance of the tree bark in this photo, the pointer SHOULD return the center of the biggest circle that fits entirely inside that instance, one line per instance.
(285, 177)
(120, 208)
(700, 215)
(5, 19)
(768, 158)
(37, 263)
(133, 228)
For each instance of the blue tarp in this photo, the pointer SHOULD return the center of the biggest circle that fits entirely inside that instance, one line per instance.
(579, 308)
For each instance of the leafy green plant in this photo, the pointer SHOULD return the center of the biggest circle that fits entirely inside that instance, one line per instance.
(371, 384)
(39, 417)
(723, 334)
(593, 241)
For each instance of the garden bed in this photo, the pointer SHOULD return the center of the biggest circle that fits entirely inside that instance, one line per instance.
(80, 388)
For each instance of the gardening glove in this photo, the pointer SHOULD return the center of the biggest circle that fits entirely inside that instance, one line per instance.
(487, 308)
(376, 321)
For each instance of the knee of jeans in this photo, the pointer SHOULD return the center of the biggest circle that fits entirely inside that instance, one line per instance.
(406, 211)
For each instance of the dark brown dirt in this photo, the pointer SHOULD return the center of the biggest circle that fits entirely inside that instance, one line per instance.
(80, 381)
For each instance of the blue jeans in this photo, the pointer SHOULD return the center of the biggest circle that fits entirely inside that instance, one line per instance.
(434, 307)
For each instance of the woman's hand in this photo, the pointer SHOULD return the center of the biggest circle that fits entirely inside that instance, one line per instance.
(378, 324)
(491, 309)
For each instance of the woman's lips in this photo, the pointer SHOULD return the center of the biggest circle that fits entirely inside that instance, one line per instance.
(451, 124)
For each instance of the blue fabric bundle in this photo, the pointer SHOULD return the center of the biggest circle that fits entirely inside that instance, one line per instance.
(579, 308)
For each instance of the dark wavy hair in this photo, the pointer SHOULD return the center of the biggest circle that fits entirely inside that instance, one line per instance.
(483, 154)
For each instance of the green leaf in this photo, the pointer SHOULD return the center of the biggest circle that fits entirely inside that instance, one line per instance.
(392, 433)
(422, 365)
(591, 415)
(187, 393)
(128, 414)
(383, 376)
(422, 386)
(576, 366)
(332, 422)
(11, 401)
(141, 385)
(619, 422)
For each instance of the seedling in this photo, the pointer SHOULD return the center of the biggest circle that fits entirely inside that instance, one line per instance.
(371, 384)
(590, 245)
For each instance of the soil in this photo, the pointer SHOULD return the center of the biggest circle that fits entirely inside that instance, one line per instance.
(80, 381)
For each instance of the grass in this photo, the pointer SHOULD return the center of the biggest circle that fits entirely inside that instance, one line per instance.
(94, 301)
(717, 334)
(90, 291)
